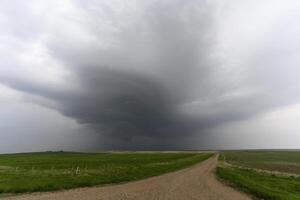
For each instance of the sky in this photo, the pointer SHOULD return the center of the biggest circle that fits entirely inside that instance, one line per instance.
(87, 75)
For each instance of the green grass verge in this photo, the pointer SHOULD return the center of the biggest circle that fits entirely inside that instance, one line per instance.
(261, 185)
(59, 170)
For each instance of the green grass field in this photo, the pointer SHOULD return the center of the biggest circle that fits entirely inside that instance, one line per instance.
(60, 170)
(282, 161)
(261, 184)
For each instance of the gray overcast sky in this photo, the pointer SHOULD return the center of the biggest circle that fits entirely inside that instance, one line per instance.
(146, 75)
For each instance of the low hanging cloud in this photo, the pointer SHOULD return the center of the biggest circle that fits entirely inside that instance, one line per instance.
(148, 71)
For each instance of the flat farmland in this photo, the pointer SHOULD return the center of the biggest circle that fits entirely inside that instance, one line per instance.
(31, 172)
(192, 183)
(282, 161)
(269, 175)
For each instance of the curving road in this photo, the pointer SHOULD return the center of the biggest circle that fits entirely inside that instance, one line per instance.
(194, 183)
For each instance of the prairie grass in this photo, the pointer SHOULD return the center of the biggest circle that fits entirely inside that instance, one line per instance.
(282, 161)
(245, 173)
(49, 171)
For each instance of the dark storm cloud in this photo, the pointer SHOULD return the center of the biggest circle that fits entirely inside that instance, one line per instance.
(117, 104)
(150, 76)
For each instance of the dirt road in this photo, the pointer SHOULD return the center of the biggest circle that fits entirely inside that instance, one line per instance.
(194, 183)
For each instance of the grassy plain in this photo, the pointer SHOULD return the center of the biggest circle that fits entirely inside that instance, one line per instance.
(261, 184)
(282, 161)
(48, 171)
